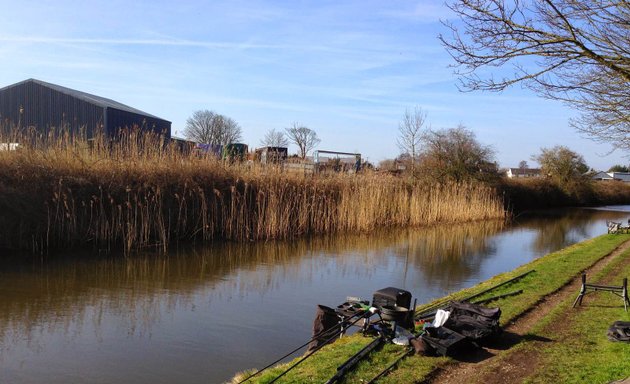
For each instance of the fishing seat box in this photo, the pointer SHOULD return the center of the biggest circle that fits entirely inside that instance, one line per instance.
(391, 296)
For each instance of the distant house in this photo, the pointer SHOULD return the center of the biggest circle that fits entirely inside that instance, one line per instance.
(602, 176)
(612, 176)
(523, 172)
(41, 105)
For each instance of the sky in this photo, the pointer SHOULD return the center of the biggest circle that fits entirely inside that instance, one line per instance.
(346, 69)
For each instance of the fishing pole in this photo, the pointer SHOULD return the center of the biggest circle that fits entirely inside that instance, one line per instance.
(351, 362)
(317, 348)
(431, 314)
(340, 324)
(493, 298)
(430, 311)
(500, 285)
(411, 349)
(392, 365)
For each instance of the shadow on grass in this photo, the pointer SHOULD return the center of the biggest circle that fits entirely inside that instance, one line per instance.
(600, 306)
(473, 353)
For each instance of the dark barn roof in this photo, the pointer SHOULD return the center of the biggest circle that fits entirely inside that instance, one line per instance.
(43, 105)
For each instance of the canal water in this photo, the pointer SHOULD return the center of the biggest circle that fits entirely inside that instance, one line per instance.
(199, 315)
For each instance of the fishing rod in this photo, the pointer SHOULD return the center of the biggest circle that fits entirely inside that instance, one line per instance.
(430, 311)
(392, 365)
(484, 301)
(411, 349)
(432, 314)
(340, 324)
(349, 364)
(500, 285)
(493, 298)
(320, 347)
(354, 360)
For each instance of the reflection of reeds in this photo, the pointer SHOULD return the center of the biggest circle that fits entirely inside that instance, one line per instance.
(136, 287)
(60, 190)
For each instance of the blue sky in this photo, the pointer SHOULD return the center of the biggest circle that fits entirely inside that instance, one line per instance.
(346, 69)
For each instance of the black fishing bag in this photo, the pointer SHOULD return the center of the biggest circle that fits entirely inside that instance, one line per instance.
(324, 326)
(619, 331)
(474, 321)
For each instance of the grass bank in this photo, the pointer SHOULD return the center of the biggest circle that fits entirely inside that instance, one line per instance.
(576, 349)
(551, 273)
(60, 191)
(586, 355)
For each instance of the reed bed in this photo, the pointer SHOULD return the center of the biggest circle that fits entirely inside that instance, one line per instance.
(60, 190)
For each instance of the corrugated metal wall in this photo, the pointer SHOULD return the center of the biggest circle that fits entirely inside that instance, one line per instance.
(117, 119)
(44, 108)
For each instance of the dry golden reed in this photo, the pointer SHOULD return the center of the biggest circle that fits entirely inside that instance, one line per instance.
(60, 190)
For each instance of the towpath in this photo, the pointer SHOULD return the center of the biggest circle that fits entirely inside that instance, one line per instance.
(496, 364)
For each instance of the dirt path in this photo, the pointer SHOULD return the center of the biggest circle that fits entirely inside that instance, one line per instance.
(484, 367)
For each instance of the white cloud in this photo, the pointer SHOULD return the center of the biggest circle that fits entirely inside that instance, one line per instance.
(428, 11)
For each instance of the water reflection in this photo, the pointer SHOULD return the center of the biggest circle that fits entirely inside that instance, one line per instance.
(451, 253)
(47, 290)
(211, 311)
(563, 227)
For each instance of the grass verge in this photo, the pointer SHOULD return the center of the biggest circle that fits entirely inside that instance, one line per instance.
(580, 351)
(552, 272)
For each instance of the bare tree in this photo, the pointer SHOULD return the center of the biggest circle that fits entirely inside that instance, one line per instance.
(211, 128)
(387, 164)
(569, 50)
(522, 165)
(410, 133)
(456, 154)
(274, 138)
(305, 138)
(562, 164)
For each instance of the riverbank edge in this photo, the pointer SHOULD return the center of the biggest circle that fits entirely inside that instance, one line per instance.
(552, 272)
(137, 193)
(142, 206)
(557, 343)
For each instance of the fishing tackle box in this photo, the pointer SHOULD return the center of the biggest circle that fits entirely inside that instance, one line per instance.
(443, 340)
(392, 297)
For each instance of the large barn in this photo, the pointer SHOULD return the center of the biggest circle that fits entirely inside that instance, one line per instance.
(35, 103)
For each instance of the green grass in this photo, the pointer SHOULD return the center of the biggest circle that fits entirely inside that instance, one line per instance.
(552, 272)
(323, 365)
(582, 353)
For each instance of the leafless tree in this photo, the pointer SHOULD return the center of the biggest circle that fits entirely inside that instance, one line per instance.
(387, 164)
(274, 138)
(410, 133)
(212, 128)
(522, 165)
(562, 164)
(576, 51)
(456, 154)
(305, 138)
